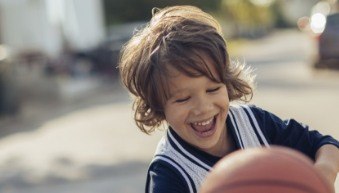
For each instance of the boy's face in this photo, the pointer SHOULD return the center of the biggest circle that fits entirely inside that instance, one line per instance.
(197, 110)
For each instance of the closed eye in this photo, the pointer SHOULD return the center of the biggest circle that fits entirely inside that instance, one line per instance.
(213, 90)
(182, 100)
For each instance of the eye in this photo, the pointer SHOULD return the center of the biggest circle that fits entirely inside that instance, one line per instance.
(213, 90)
(182, 100)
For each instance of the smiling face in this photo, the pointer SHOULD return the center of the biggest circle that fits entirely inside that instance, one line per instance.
(197, 109)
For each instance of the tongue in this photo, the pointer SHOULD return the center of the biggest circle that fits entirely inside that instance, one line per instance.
(203, 128)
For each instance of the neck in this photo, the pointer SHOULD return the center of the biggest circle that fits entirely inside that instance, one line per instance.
(226, 145)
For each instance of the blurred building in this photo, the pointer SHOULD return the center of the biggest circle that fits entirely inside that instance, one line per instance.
(50, 25)
(37, 35)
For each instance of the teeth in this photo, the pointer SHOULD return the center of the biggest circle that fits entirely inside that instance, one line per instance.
(204, 122)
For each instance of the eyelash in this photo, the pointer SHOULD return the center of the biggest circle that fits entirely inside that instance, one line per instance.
(213, 90)
(182, 100)
(208, 91)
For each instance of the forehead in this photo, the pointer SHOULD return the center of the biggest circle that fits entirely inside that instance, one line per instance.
(176, 77)
(194, 64)
(197, 64)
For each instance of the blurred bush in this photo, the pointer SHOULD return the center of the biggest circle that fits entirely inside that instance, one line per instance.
(253, 18)
(249, 18)
(119, 11)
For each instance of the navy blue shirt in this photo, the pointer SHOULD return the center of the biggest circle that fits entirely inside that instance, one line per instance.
(163, 178)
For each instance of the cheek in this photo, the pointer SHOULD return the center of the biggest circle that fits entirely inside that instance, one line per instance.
(223, 98)
(224, 106)
(175, 115)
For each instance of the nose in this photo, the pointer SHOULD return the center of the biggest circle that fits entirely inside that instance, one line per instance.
(201, 106)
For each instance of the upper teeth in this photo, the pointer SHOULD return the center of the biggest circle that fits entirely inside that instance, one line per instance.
(204, 122)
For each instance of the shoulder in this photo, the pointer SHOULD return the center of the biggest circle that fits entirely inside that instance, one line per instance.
(247, 122)
(164, 175)
(255, 112)
(247, 107)
(249, 110)
(268, 122)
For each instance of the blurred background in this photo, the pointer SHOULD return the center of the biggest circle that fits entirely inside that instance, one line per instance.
(66, 122)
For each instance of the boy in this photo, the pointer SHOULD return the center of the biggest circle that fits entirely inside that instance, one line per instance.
(179, 71)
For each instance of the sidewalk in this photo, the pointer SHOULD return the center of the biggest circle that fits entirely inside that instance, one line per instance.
(91, 145)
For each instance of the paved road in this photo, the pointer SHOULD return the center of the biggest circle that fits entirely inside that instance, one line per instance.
(96, 148)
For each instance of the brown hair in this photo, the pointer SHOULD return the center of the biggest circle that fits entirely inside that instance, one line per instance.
(173, 39)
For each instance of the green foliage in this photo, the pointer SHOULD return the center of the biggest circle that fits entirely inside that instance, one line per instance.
(242, 17)
(244, 12)
(119, 11)
(252, 18)
(280, 20)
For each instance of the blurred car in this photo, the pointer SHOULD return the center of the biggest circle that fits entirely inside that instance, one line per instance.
(328, 43)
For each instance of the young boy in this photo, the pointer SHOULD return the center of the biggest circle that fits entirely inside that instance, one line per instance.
(179, 71)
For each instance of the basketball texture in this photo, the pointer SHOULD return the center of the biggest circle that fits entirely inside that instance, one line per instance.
(265, 170)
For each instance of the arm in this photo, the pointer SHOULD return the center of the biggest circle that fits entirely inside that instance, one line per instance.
(322, 149)
(327, 162)
(292, 134)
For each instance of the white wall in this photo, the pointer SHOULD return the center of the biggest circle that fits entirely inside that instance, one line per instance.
(35, 24)
(83, 22)
(88, 17)
(25, 25)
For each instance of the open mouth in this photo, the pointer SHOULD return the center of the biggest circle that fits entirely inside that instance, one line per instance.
(205, 128)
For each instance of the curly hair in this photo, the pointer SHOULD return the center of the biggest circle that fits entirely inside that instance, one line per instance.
(175, 38)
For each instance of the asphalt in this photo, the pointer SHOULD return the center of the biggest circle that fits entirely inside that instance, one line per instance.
(90, 144)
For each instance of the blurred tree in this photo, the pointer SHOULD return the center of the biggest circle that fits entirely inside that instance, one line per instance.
(247, 18)
(280, 20)
(119, 11)
(251, 18)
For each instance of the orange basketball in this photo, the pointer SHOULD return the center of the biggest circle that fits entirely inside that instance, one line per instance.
(265, 170)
